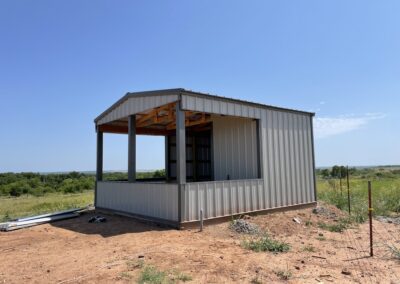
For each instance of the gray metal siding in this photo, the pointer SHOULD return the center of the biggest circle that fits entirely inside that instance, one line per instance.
(134, 105)
(235, 148)
(219, 106)
(158, 200)
(288, 169)
(222, 198)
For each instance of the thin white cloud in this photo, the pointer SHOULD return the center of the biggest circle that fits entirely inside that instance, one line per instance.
(330, 126)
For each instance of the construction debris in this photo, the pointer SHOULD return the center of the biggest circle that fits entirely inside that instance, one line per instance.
(244, 227)
(40, 219)
(97, 219)
(297, 220)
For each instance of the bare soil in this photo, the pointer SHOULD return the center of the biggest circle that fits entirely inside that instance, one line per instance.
(75, 251)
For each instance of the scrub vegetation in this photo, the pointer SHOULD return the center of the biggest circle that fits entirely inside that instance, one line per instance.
(25, 194)
(385, 191)
(266, 243)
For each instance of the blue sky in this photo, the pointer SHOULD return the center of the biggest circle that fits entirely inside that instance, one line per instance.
(63, 62)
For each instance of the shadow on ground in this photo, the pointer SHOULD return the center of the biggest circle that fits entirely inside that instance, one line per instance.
(115, 225)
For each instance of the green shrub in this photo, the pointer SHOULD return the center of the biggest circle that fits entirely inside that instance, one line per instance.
(266, 243)
(152, 275)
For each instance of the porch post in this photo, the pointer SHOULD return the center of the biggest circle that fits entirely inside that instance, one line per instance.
(99, 162)
(132, 148)
(180, 146)
(180, 158)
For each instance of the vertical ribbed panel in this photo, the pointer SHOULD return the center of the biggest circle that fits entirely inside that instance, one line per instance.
(221, 198)
(158, 200)
(219, 106)
(235, 148)
(288, 170)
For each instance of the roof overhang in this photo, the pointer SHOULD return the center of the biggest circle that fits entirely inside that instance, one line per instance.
(158, 106)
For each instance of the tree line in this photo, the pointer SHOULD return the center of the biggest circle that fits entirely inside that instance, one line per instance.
(37, 184)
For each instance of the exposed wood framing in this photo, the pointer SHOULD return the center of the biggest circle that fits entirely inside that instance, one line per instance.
(158, 121)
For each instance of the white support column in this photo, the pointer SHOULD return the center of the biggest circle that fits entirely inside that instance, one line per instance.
(132, 148)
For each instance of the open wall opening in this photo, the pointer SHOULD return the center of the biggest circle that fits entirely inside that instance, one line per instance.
(198, 154)
(150, 157)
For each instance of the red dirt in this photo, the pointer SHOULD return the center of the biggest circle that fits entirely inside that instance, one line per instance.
(75, 251)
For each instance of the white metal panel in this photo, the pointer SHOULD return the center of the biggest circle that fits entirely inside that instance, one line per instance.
(158, 200)
(235, 148)
(135, 105)
(220, 198)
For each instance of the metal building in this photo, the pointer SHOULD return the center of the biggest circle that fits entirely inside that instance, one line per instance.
(223, 157)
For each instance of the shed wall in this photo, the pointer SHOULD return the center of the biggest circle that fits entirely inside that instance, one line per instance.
(287, 158)
(157, 200)
(235, 148)
(222, 198)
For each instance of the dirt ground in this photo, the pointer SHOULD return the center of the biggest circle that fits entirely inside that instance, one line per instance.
(75, 251)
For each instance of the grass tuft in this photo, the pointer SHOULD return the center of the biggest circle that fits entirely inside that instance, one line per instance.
(338, 227)
(182, 277)
(309, 248)
(152, 275)
(394, 251)
(266, 243)
(284, 274)
(125, 275)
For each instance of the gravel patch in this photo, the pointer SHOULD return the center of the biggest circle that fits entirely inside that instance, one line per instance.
(243, 227)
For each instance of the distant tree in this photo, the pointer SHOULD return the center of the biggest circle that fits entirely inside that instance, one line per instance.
(338, 171)
(325, 173)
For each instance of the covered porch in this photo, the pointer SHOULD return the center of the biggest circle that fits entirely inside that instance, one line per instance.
(212, 161)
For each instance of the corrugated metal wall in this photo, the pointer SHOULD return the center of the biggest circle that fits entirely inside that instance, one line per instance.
(158, 200)
(235, 148)
(222, 198)
(219, 106)
(287, 163)
(288, 168)
(134, 105)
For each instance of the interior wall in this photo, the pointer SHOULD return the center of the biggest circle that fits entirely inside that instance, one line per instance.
(235, 148)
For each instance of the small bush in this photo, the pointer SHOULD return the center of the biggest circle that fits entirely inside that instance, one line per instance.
(266, 243)
(152, 275)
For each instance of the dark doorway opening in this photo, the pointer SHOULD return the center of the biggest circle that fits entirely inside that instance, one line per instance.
(198, 155)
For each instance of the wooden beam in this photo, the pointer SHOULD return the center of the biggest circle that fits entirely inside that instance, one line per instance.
(117, 129)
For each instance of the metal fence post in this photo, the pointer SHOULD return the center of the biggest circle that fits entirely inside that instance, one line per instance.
(348, 190)
(371, 253)
(201, 220)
